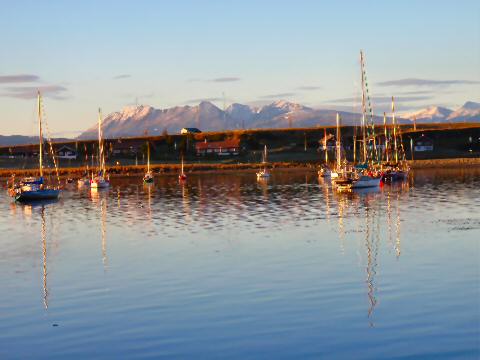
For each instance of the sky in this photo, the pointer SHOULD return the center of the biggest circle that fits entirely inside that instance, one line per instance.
(88, 54)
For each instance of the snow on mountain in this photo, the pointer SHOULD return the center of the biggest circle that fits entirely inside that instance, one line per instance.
(430, 114)
(134, 121)
(470, 111)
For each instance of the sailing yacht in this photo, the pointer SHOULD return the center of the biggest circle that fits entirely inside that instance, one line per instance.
(101, 180)
(31, 188)
(366, 176)
(339, 176)
(264, 174)
(148, 177)
(399, 169)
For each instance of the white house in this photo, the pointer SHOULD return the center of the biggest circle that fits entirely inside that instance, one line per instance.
(66, 152)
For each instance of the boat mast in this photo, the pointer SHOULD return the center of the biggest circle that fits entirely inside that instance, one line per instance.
(101, 160)
(364, 108)
(338, 143)
(40, 132)
(394, 131)
(386, 134)
(325, 145)
(148, 156)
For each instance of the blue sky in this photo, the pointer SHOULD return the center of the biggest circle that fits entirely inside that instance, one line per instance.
(86, 54)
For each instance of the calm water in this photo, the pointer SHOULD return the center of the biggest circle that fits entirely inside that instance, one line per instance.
(226, 267)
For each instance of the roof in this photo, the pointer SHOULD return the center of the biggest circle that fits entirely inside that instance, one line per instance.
(191, 129)
(65, 147)
(230, 143)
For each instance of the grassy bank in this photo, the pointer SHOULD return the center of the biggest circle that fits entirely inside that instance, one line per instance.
(159, 169)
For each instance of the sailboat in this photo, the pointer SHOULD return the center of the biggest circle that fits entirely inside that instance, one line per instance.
(264, 174)
(182, 176)
(340, 176)
(325, 169)
(85, 180)
(101, 180)
(148, 177)
(398, 170)
(366, 176)
(34, 189)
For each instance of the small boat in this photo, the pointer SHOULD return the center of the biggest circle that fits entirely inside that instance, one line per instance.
(101, 181)
(148, 177)
(264, 174)
(182, 176)
(34, 189)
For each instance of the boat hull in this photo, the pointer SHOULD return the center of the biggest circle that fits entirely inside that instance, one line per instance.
(99, 184)
(361, 184)
(37, 195)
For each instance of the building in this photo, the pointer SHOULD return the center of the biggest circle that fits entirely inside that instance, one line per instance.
(190, 131)
(219, 148)
(66, 152)
(423, 143)
(127, 147)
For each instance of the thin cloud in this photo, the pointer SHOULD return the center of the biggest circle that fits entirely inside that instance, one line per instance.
(30, 92)
(309, 88)
(382, 99)
(225, 79)
(417, 92)
(279, 95)
(217, 80)
(426, 82)
(122, 76)
(19, 78)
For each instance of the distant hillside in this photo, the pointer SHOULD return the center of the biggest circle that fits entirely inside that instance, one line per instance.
(23, 140)
(135, 121)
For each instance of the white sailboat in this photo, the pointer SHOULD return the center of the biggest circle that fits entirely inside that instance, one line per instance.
(367, 176)
(264, 174)
(102, 179)
(148, 177)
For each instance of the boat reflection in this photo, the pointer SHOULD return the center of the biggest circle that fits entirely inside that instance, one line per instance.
(377, 215)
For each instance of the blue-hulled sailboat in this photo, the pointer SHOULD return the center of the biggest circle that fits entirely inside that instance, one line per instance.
(34, 189)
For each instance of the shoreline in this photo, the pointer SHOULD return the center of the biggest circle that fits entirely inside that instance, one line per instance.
(169, 169)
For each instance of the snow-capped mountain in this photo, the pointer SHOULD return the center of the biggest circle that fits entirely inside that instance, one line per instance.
(136, 120)
(469, 112)
(430, 114)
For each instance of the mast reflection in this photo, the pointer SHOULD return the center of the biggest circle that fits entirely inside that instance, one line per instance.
(43, 232)
(99, 196)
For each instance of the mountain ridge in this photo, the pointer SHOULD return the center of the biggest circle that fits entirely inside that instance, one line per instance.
(136, 120)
